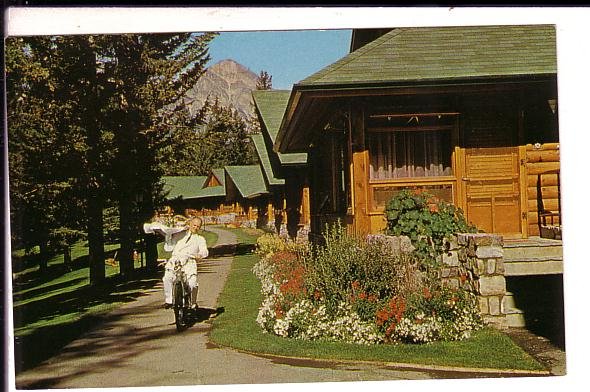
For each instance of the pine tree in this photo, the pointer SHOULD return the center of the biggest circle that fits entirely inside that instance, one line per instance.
(264, 81)
(87, 117)
(46, 144)
(151, 74)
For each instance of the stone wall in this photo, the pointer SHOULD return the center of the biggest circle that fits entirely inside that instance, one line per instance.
(475, 262)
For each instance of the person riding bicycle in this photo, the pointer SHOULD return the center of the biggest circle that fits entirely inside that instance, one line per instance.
(187, 250)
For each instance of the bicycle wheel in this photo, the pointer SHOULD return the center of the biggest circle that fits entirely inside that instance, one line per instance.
(179, 314)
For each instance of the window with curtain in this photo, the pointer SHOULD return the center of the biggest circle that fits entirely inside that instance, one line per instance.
(409, 153)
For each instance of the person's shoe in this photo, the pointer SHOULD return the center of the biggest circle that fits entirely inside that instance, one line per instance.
(167, 305)
(194, 307)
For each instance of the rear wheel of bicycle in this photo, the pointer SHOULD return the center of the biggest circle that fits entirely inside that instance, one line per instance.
(179, 314)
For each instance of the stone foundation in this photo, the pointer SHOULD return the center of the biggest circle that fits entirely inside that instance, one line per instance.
(475, 262)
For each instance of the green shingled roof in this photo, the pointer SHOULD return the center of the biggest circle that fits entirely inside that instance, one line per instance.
(190, 187)
(248, 179)
(262, 151)
(271, 105)
(445, 53)
(212, 191)
(186, 187)
(220, 175)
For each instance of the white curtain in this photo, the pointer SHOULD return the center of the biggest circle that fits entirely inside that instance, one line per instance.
(407, 154)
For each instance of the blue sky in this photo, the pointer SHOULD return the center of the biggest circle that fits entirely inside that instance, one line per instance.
(288, 56)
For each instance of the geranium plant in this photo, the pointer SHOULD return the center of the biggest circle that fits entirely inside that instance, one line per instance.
(426, 220)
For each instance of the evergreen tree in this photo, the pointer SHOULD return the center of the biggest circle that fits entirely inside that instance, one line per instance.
(227, 137)
(264, 81)
(87, 117)
(144, 108)
(223, 140)
(46, 144)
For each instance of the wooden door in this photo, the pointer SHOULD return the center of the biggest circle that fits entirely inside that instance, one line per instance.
(492, 189)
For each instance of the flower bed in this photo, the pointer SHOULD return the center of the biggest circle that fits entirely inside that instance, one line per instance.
(357, 291)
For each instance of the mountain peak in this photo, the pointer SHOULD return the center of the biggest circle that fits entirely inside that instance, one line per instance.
(229, 66)
(228, 81)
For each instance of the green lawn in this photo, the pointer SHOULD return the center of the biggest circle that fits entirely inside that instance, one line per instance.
(236, 327)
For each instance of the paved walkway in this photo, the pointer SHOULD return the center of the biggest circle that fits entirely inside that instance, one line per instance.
(138, 345)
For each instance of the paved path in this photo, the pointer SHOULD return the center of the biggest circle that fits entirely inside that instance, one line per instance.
(138, 345)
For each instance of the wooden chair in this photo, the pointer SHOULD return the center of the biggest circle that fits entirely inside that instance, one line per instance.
(543, 214)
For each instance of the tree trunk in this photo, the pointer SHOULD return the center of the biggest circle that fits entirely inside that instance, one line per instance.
(127, 238)
(43, 256)
(68, 258)
(151, 252)
(91, 121)
(96, 240)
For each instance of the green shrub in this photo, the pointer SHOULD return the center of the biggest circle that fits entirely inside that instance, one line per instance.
(267, 244)
(425, 220)
(365, 272)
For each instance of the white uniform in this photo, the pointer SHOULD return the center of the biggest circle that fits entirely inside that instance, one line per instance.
(187, 250)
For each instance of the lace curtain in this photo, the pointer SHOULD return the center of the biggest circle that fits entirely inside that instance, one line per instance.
(406, 154)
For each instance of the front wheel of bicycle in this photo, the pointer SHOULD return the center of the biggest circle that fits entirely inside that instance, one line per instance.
(179, 313)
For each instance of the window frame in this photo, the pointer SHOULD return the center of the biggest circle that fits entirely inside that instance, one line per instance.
(413, 182)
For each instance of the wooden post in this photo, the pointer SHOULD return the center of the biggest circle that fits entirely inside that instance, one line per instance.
(524, 197)
(460, 195)
(360, 177)
(305, 208)
(293, 200)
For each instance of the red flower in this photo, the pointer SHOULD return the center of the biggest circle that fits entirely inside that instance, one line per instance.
(279, 312)
(392, 313)
(390, 329)
(382, 316)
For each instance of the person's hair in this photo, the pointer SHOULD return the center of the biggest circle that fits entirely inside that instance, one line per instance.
(196, 218)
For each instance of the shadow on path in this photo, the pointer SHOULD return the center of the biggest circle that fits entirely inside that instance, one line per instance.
(231, 250)
(44, 342)
(202, 314)
(103, 342)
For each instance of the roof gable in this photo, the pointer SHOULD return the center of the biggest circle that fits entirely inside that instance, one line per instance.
(445, 53)
(215, 178)
(271, 105)
(262, 151)
(248, 180)
(186, 187)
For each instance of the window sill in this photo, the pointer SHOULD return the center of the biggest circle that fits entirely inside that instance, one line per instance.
(412, 180)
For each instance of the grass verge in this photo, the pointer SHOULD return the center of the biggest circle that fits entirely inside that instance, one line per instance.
(236, 327)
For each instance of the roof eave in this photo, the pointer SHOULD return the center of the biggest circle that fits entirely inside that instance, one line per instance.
(301, 92)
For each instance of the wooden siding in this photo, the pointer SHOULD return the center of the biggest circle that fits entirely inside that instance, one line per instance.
(542, 160)
(492, 189)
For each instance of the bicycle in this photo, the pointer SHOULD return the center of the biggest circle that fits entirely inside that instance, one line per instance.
(181, 297)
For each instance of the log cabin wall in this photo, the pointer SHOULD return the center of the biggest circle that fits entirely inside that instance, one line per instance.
(456, 120)
(483, 121)
(542, 164)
